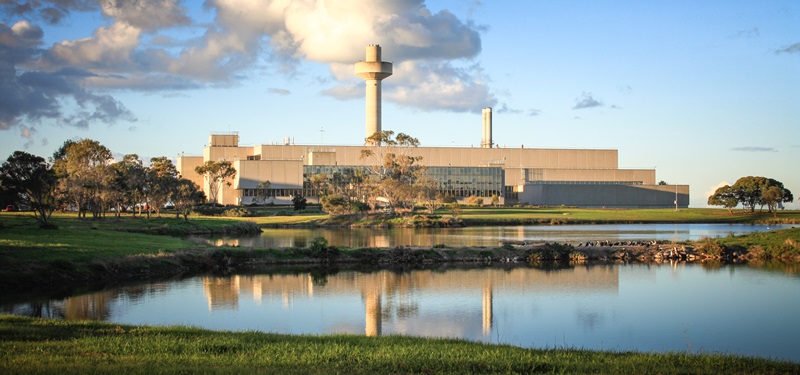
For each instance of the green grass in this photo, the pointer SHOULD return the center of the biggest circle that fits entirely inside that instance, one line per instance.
(487, 215)
(57, 346)
(80, 245)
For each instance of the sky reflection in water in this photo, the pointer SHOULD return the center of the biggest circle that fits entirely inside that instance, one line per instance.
(668, 307)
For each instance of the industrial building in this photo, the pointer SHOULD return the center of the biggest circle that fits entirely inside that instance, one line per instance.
(546, 177)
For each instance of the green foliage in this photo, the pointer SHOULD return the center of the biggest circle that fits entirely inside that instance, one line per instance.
(237, 212)
(299, 202)
(335, 204)
(320, 249)
(31, 179)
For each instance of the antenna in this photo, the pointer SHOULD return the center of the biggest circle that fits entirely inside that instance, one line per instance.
(321, 132)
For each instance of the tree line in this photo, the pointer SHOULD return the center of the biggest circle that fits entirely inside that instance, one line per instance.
(752, 191)
(83, 176)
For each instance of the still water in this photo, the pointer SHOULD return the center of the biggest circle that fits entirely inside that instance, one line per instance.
(666, 307)
(485, 236)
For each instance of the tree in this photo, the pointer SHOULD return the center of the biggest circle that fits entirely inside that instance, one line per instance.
(299, 202)
(748, 191)
(724, 196)
(429, 194)
(774, 195)
(751, 191)
(34, 181)
(495, 200)
(395, 170)
(216, 173)
(131, 177)
(83, 174)
(187, 195)
(262, 192)
(162, 180)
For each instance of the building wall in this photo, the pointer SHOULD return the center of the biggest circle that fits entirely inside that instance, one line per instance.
(585, 195)
(577, 177)
(457, 156)
(643, 176)
(282, 174)
(186, 166)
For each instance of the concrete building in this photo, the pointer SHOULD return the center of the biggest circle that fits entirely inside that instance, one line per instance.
(546, 177)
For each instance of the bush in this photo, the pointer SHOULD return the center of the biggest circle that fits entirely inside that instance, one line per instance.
(237, 212)
(320, 249)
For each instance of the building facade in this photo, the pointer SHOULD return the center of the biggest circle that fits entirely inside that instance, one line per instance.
(547, 177)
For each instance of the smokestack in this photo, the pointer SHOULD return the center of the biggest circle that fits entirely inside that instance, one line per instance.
(486, 141)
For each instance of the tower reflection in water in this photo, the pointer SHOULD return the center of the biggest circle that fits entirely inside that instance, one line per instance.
(409, 301)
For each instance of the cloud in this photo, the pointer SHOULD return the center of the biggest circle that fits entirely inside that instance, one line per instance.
(794, 48)
(587, 101)
(146, 14)
(73, 82)
(504, 108)
(752, 32)
(440, 86)
(534, 112)
(36, 95)
(279, 91)
(754, 149)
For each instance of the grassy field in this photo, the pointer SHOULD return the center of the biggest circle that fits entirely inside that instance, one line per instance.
(57, 346)
(487, 215)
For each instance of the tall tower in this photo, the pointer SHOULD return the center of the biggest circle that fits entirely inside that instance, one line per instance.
(486, 140)
(373, 70)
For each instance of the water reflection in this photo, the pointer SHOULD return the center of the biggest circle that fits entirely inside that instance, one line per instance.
(646, 307)
(483, 236)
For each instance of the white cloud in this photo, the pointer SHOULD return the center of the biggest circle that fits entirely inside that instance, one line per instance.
(109, 49)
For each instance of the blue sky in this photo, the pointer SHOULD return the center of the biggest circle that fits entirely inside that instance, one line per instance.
(705, 92)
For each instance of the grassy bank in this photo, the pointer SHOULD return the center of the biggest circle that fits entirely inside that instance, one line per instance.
(559, 216)
(121, 250)
(484, 216)
(57, 346)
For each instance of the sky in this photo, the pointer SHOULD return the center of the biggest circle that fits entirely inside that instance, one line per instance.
(705, 92)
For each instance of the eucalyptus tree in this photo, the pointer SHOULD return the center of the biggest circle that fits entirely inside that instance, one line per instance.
(394, 168)
(216, 173)
(751, 191)
(161, 182)
(82, 170)
(32, 180)
(724, 196)
(186, 195)
(130, 178)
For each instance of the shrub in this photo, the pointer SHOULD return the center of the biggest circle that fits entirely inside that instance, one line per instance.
(320, 249)
(237, 212)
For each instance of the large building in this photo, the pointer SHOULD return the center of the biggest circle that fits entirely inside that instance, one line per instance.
(546, 177)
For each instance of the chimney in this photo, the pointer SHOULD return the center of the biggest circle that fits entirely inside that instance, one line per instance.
(486, 141)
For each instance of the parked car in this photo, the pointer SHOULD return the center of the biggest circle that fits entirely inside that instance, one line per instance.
(11, 208)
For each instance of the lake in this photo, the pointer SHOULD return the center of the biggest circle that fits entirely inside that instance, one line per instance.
(483, 236)
(734, 309)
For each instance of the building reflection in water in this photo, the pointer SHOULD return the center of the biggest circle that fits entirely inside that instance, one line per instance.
(393, 296)
(423, 302)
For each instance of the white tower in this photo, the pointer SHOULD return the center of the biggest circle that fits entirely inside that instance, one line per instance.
(373, 70)
(486, 141)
